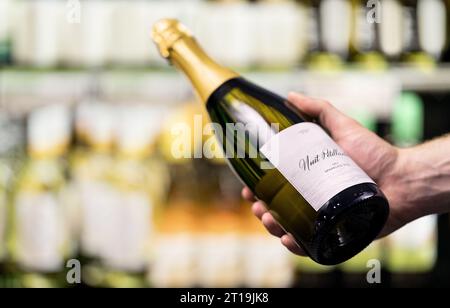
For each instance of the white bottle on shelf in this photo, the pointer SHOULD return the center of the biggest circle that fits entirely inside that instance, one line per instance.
(96, 32)
(71, 34)
(41, 234)
(335, 26)
(279, 30)
(391, 28)
(432, 21)
(129, 44)
(228, 29)
(47, 16)
(21, 33)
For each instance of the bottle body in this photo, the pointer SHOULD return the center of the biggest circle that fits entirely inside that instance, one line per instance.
(311, 187)
(330, 233)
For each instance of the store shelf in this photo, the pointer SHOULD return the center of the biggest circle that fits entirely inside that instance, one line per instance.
(22, 89)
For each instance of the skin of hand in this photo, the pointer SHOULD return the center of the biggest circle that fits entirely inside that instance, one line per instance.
(381, 161)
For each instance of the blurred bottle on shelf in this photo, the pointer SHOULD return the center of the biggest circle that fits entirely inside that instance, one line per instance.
(92, 168)
(8, 136)
(126, 49)
(230, 24)
(364, 117)
(174, 263)
(329, 29)
(66, 34)
(365, 39)
(11, 158)
(180, 222)
(36, 38)
(5, 178)
(266, 263)
(407, 120)
(5, 31)
(96, 33)
(391, 27)
(424, 32)
(70, 31)
(413, 248)
(220, 263)
(140, 179)
(40, 241)
(279, 41)
(433, 33)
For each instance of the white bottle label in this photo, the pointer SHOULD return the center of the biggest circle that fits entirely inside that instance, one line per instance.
(313, 163)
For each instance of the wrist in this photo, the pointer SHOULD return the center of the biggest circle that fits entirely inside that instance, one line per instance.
(420, 184)
(404, 189)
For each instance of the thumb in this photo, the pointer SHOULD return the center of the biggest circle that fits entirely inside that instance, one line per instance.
(332, 119)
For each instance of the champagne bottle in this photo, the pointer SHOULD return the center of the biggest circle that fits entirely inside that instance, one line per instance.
(311, 187)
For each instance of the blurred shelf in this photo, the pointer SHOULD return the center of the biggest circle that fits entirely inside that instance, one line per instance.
(22, 89)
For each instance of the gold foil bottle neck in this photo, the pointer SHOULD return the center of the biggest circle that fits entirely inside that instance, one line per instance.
(176, 43)
(166, 32)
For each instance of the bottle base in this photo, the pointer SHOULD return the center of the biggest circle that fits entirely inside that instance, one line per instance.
(344, 230)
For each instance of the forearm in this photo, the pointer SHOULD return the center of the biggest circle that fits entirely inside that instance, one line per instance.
(424, 176)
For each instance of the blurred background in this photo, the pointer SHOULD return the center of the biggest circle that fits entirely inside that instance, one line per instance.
(87, 111)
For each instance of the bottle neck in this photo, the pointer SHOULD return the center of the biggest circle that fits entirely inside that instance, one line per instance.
(205, 74)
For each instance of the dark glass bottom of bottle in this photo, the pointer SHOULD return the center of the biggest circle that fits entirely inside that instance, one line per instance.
(348, 223)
